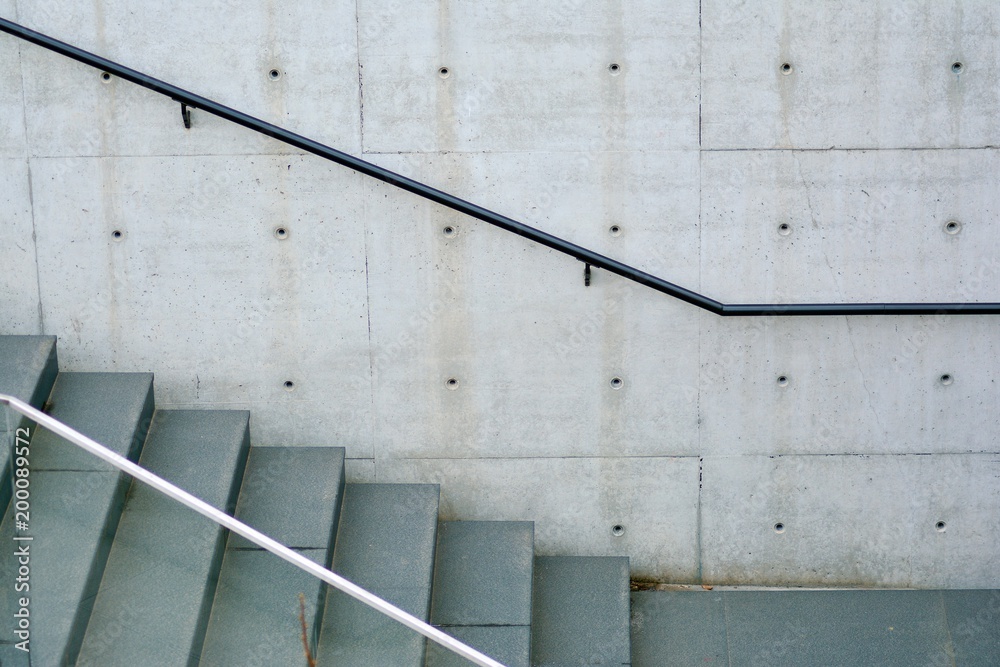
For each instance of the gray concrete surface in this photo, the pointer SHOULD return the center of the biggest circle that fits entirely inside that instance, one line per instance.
(293, 495)
(28, 369)
(697, 148)
(907, 521)
(508, 644)
(483, 572)
(255, 615)
(576, 503)
(385, 544)
(157, 588)
(835, 628)
(115, 409)
(580, 612)
(19, 296)
(864, 75)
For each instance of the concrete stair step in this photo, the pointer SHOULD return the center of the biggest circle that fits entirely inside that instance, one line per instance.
(482, 590)
(292, 494)
(75, 507)
(28, 368)
(11, 656)
(153, 603)
(580, 612)
(835, 628)
(102, 406)
(385, 544)
(678, 628)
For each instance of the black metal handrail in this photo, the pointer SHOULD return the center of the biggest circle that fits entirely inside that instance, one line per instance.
(589, 257)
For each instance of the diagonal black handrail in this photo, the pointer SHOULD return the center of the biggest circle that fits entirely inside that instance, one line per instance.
(590, 257)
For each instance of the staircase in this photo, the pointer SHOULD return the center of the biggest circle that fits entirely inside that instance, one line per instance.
(123, 576)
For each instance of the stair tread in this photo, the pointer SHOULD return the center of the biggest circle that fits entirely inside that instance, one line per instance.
(292, 494)
(160, 575)
(28, 368)
(689, 627)
(255, 615)
(385, 544)
(11, 656)
(279, 482)
(976, 644)
(482, 573)
(508, 644)
(89, 403)
(200, 451)
(580, 613)
(74, 512)
(69, 512)
(840, 628)
(482, 589)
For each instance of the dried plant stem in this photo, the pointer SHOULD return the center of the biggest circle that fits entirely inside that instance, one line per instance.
(310, 660)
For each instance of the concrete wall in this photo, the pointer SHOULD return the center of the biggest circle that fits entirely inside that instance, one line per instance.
(697, 146)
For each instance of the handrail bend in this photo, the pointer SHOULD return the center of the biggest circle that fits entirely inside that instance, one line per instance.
(255, 536)
(589, 257)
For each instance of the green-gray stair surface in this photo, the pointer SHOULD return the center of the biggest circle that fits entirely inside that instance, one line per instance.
(161, 573)
(842, 628)
(386, 545)
(292, 494)
(28, 368)
(482, 590)
(580, 612)
(76, 501)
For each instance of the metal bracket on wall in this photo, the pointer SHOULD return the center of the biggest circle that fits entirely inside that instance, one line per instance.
(586, 275)
(186, 116)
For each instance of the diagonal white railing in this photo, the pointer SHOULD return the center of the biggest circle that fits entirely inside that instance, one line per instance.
(255, 536)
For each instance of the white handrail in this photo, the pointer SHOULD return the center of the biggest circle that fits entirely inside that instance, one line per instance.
(255, 536)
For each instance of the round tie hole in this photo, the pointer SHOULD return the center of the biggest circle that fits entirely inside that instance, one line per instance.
(274, 74)
(615, 230)
(952, 227)
(118, 235)
(784, 229)
(617, 382)
(444, 72)
(451, 383)
(786, 68)
(289, 385)
(782, 380)
(957, 67)
(450, 231)
(617, 530)
(615, 69)
(281, 233)
(946, 379)
(940, 526)
(106, 77)
(779, 527)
